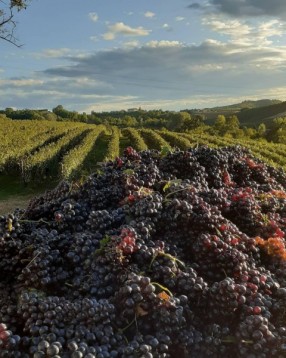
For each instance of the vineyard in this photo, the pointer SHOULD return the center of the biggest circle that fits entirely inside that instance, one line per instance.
(37, 150)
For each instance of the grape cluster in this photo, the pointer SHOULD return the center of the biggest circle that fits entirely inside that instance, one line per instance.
(155, 255)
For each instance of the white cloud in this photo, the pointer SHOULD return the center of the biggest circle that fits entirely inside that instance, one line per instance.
(207, 67)
(179, 18)
(270, 29)
(53, 53)
(164, 43)
(93, 38)
(120, 28)
(130, 44)
(273, 93)
(167, 27)
(108, 36)
(93, 16)
(172, 69)
(234, 28)
(21, 82)
(245, 33)
(149, 14)
(160, 74)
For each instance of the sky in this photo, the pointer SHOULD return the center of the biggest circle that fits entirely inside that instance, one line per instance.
(106, 55)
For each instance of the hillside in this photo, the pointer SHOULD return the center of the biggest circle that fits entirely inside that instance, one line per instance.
(248, 104)
(255, 116)
(242, 109)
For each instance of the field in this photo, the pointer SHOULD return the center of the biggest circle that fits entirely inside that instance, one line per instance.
(35, 151)
(36, 155)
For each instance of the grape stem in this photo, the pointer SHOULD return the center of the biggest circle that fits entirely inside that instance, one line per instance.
(34, 221)
(162, 287)
(177, 191)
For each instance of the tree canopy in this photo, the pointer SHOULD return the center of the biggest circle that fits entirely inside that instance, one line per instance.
(7, 21)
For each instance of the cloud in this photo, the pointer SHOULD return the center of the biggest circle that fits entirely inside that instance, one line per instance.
(20, 82)
(93, 16)
(167, 27)
(48, 92)
(246, 8)
(188, 102)
(245, 33)
(179, 18)
(195, 6)
(149, 14)
(159, 74)
(120, 28)
(174, 68)
(53, 53)
(233, 28)
(164, 43)
(94, 38)
(130, 44)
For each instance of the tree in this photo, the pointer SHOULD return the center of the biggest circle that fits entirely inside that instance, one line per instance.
(220, 121)
(232, 123)
(177, 120)
(250, 132)
(193, 122)
(220, 124)
(277, 130)
(261, 130)
(7, 23)
(60, 111)
(128, 121)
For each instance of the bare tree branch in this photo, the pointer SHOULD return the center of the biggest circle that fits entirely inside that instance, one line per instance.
(7, 22)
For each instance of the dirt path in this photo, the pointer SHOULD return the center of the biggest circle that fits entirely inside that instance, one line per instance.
(13, 194)
(9, 205)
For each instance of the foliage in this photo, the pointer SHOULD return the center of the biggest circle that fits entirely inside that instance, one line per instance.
(7, 23)
(44, 162)
(45, 148)
(29, 114)
(153, 139)
(113, 145)
(175, 139)
(277, 131)
(182, 121)
(18, 139)
(73, 160)
(135, 138)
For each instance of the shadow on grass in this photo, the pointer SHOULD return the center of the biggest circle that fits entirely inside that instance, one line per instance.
(15, 194)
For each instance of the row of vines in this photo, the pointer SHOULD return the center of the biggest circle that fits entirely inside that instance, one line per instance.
(38, 150)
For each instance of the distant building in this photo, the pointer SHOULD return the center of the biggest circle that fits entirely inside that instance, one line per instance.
(132, 109)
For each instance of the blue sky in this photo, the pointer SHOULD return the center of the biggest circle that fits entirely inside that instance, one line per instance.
(106, 55)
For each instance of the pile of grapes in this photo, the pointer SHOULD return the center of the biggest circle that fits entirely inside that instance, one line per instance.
(157, 254)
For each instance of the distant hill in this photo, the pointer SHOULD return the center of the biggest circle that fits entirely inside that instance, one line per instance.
(247, 104)
(255, 116)
(250, 113)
